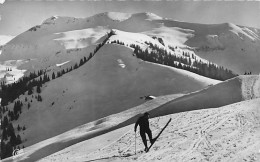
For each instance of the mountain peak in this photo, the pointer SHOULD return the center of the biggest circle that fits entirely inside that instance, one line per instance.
(58, 19)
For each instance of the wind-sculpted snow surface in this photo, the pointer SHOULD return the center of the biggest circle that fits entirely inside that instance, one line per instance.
(228, 92)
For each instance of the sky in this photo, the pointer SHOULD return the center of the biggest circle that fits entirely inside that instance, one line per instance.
(17, 16)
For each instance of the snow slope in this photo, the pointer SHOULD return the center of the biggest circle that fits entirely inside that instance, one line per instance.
(199, 122)
(229, 133)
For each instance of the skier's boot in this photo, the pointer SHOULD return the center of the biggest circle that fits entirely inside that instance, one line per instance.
(146, 149)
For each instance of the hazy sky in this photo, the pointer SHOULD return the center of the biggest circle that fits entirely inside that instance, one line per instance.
(16, 16)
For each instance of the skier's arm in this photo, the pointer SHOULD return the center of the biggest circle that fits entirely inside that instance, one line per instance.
(136, 124)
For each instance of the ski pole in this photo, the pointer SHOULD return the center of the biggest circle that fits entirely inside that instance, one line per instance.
(135, 143)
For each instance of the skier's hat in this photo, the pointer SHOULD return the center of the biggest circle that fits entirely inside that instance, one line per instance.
(146, 114)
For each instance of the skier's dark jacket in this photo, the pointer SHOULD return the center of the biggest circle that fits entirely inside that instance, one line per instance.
(143, 122)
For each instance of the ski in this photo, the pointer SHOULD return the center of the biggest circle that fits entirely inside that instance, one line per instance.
(159, 134)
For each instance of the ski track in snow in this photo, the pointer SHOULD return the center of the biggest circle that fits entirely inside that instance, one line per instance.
(225, 134)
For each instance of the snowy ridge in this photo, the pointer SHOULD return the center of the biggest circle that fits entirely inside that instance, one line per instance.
(231, 91)
(173, 35)
(134, 38)
(141, 40)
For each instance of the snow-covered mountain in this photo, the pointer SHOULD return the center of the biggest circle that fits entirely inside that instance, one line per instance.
(229, 45)
(79, 70)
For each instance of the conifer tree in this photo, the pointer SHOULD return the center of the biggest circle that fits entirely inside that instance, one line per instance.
(18, 127)
(18, 140)
(53, 76)
(30, 91)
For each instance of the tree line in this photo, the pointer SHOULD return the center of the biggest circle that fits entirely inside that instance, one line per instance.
(8, 131)
(186, 62)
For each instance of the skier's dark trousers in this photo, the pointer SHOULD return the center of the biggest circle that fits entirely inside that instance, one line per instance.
(143, 123)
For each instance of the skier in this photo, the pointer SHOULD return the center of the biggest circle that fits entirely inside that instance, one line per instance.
(143, 123)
